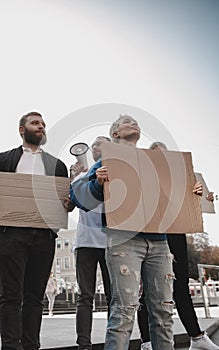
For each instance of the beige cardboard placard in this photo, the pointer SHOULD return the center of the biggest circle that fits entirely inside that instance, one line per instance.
(207, 206)
(33, 200)
(150, 191)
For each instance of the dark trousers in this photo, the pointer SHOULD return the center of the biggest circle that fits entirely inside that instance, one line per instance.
(86, 269)
(26, 257)
(181, 294)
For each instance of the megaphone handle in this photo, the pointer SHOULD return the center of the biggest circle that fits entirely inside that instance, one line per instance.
(75, 170)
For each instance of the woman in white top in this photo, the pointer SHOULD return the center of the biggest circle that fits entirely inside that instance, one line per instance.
(51, 292)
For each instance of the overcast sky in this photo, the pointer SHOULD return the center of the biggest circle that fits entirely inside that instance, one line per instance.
(82, 62)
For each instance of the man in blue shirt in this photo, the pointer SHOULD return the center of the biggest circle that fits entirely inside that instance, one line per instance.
(89, 248)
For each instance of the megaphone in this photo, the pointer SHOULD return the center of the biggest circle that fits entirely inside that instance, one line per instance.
(79, 150)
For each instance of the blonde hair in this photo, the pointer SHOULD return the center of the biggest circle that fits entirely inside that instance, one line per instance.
(115, 125)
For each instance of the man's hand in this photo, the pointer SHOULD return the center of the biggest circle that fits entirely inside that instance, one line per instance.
(75, 170)
(210, 196)
(102, 174)
(198, 188)
(68, 205)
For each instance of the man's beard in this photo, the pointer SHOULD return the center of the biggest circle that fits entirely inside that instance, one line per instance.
(34, 139)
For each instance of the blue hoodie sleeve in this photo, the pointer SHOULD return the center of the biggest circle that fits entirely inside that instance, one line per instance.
(86, 193)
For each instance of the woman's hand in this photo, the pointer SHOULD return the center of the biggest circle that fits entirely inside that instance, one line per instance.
(198, 188)
(102, 174)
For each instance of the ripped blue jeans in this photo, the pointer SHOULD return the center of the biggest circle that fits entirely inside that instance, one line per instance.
(127, 262)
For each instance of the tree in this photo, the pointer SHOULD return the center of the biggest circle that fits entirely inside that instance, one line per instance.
(200, 252)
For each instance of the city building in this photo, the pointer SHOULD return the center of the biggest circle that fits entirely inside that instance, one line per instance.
(64, 262)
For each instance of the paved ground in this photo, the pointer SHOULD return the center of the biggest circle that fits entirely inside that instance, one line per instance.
(59, 331)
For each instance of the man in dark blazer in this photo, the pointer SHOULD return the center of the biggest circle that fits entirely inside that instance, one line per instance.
(26, 254)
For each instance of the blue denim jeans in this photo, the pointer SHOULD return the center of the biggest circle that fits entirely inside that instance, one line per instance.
(183, 301)
(127, 262)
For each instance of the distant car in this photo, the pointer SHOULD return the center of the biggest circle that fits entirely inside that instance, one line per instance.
(194, 287)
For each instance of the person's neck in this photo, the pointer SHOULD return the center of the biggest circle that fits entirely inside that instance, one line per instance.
(33, 148)
(128, 142)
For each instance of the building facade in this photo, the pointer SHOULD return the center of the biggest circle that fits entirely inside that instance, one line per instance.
(64, 262)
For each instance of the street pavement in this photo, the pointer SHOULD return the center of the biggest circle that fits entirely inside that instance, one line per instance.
(59, 331)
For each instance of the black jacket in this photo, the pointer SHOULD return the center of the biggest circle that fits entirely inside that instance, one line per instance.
(53, 166)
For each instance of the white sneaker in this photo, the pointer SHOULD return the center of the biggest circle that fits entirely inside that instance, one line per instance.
(146, 346)
(50, 314)
(203, 343)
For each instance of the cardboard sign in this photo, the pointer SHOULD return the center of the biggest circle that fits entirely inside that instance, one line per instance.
(150, 190)
(33, 200)
(207, 206)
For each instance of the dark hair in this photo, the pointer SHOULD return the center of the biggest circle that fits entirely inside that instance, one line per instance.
(23, 119)
(158, 144)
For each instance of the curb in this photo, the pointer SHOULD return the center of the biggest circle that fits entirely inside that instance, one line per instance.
(181, 340)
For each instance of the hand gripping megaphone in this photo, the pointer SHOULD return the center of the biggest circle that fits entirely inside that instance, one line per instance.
(79, 150)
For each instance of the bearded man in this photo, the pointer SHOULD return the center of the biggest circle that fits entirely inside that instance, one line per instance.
(26, 254)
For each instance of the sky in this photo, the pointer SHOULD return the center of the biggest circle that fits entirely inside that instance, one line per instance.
(81, 63)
